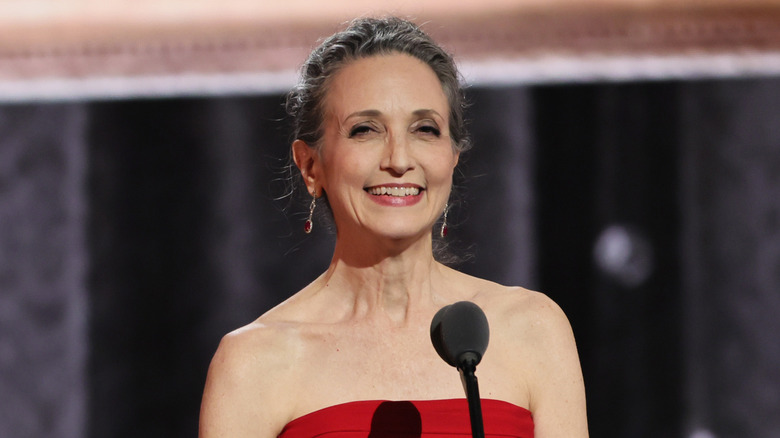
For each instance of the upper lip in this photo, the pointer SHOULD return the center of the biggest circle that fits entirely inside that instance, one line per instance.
(404, 185)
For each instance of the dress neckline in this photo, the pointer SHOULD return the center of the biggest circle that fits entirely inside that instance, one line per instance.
(427, 403)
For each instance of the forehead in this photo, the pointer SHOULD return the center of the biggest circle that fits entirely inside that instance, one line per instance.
(386, 83)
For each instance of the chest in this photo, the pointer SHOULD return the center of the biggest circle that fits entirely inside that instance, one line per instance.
(376, 362)
(403, 366)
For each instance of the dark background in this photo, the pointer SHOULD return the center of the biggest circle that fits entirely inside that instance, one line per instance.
(137, 232)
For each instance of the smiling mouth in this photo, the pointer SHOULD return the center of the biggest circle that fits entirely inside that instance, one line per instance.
(394, 191)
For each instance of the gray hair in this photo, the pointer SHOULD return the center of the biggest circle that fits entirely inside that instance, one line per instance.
(363, 38)
(366, 37)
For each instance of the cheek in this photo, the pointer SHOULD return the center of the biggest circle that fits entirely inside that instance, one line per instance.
(344, 169)
(442, 167)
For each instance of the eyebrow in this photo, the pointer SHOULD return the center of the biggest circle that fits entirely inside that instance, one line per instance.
(377, 113)
(365, 113)
(427, 112)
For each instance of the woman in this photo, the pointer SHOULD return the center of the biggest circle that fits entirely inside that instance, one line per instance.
(379, 130)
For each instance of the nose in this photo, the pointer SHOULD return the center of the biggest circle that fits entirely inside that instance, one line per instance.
(398, 158)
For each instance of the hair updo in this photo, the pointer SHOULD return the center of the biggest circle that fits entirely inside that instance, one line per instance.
(364, 38)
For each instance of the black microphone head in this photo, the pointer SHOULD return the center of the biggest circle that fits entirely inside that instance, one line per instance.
(460, 332)
(436, 335)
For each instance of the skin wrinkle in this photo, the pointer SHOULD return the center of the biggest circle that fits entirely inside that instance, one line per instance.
(399, 160)
(364, 322)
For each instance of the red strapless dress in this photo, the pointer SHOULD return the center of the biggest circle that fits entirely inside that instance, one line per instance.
(410, 419)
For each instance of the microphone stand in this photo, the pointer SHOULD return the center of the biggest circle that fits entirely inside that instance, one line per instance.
(468, 365)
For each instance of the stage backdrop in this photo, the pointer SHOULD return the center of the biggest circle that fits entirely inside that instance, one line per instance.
(135, 233)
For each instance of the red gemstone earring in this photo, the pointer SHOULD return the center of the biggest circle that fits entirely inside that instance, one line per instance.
(444, 229)
(307, 226)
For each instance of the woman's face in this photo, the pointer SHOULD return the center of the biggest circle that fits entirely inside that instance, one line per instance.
(386, 160)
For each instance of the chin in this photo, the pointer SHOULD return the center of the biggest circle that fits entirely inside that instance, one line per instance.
(402, 233)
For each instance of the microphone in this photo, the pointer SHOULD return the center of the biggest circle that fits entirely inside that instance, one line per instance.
(460, 335)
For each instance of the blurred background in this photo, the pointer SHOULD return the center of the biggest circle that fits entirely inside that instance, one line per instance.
(626, 163)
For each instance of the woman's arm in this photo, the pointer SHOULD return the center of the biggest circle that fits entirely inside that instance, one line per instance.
(238, 396)
(557, 388)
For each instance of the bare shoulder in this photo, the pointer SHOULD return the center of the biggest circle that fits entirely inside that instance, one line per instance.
(250, 350)
(531, 335)
(242, 396)
(525, 322)
(527, 312)
(524, 313)
(513, 304)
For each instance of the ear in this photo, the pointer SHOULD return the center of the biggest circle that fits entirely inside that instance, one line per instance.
(307, 160)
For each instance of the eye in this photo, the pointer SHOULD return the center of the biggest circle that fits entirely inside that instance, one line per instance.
(361, 131)
(429, 129)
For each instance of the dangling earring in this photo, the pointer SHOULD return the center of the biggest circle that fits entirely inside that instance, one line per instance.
(307, 226)
(444, 229)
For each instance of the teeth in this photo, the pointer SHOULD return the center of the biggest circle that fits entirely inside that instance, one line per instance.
(395, 191)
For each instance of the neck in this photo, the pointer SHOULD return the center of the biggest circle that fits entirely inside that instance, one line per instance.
(394, 281)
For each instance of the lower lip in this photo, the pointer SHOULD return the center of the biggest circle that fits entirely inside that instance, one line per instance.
(396, 201)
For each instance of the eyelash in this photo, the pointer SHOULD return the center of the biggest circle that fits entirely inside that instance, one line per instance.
(360, 130)
(427, 129)
(424, 129)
